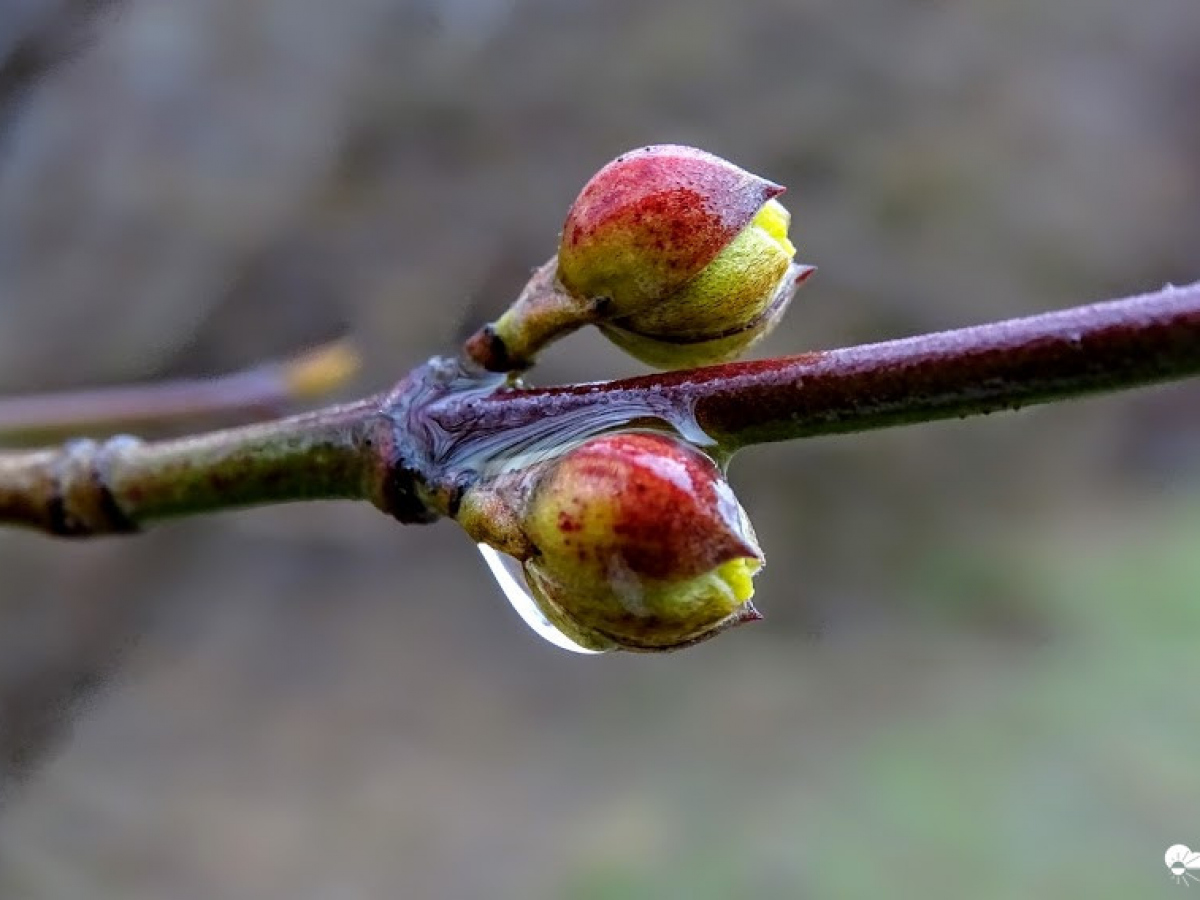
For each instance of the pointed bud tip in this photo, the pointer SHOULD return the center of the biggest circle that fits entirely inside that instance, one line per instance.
(803, 271)
(748, 613)
(771, 190)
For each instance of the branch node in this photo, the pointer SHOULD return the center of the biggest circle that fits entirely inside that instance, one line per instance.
(81, 502)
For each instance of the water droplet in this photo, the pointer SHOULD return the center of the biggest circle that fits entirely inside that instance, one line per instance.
(511, 579)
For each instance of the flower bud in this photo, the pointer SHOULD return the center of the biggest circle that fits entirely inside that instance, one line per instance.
(639, 543)
(690, 253)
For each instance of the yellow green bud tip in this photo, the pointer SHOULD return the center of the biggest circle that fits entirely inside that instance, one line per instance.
(738, 574)
(774, 220)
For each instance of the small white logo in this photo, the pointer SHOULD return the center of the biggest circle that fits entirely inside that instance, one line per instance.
(1183, 863)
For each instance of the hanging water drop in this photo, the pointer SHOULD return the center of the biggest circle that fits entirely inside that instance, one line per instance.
(511, 580)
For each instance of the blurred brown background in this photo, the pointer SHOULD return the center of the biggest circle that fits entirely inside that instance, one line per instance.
(978, 672)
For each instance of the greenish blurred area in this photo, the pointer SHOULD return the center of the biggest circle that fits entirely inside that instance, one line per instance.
(977, 673)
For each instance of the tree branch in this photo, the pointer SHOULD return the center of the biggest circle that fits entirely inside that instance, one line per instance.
(86, 487)
(412, 451)
(1110, 346)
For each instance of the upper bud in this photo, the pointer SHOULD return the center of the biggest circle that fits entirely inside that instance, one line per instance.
(638, 542)
(689, 253)
(651, 220)
(680, 257)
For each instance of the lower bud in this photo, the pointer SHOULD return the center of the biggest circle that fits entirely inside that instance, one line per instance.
(638, 543)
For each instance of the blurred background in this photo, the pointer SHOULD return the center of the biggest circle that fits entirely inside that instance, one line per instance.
(978, 672)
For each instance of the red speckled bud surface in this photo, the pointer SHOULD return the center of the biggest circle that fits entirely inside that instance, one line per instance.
(652, 219)
(639, 543)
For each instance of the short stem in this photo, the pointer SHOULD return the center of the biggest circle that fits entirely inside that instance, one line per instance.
(543, 313)
(1108, 346)
(116, 486)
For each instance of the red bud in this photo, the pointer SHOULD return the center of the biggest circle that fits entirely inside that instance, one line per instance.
(652, 219)
(639, 543)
